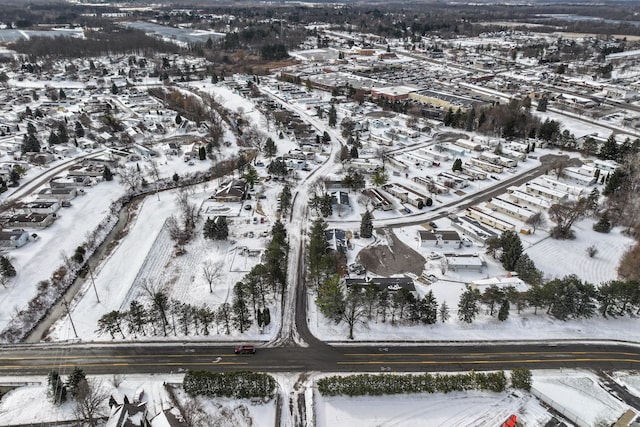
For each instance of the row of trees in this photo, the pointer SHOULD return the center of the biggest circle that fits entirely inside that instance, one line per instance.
(384, 384)
(237, 385)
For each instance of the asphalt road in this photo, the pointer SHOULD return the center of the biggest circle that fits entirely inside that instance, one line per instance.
(175, 358)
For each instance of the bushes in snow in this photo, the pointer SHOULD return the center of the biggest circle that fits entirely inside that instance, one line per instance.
(376, 385)
(238, 385)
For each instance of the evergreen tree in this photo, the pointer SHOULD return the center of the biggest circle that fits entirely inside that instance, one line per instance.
(79, 130)
(457, 165)
(241, 316)
(6, 267)
(521, 378)
(429, 309)
(492, 295)
(76, 381)
(603, 225)
(63, 136)
(468, 305)
(178, 119)
(366, 225)
(107, 175)
(527, 270)
(57, 389)
(285, 200)
(136, 318)
(443, 313)
(114, 89)
(503, 313)
(330, 299)
(202, 153)
(53, 139)
(333, 116)
(609, 150)
(511, 249)
(542, 105)
(270, 148)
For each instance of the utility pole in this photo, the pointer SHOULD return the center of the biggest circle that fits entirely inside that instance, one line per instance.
(93, 282)
(66, 305)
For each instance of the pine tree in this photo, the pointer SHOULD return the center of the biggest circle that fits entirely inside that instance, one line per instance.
(241, 316)
(107, 175)
(6, 267)
(270, 148)
(76, 381)
(468, 305)
(136, 318)
(330, 299)
(511, 249)
(527, 270)
(79, 130)
(609, 149)
(457, 165)
(63, 136)
(57, 389)
(366, 225)
(210, 228)
(222, 229)
(429, 309)
(333, 116)
(503, 313)
(444, 312)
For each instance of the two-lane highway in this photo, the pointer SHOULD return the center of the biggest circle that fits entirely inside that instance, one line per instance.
(166, 359)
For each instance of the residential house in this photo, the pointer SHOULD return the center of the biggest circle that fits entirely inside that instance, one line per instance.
(70, 182)
(31, 220)
(449, 239)
(128, 415)
(408, 195)
(465, 262)
(62, 194)
(41, 207)
(232, 191)
(336, 240)
(389, 284)
(340, 202)
(169, 418)
(378, 200)
(14, 238)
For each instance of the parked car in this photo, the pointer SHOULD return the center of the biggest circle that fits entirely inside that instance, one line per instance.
(245, 349)
(433, 224)
(247, 207)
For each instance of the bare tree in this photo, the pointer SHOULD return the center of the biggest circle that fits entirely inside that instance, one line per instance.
(212, 271)
(564, 214)
(129, 177)
(355, 310)
(536, 220)
(90, 402)
(188, 209)
(559, 166)
(153, 170)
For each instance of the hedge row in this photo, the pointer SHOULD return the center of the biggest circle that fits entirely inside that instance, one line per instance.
(240, 385)
(376, 385)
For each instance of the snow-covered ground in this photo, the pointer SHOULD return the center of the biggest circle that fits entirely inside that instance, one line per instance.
(577, 394)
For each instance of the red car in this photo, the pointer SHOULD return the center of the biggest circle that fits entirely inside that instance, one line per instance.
(245, 349)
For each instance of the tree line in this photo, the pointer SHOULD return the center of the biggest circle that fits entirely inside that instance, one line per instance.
(237, 385)
(385, 384)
